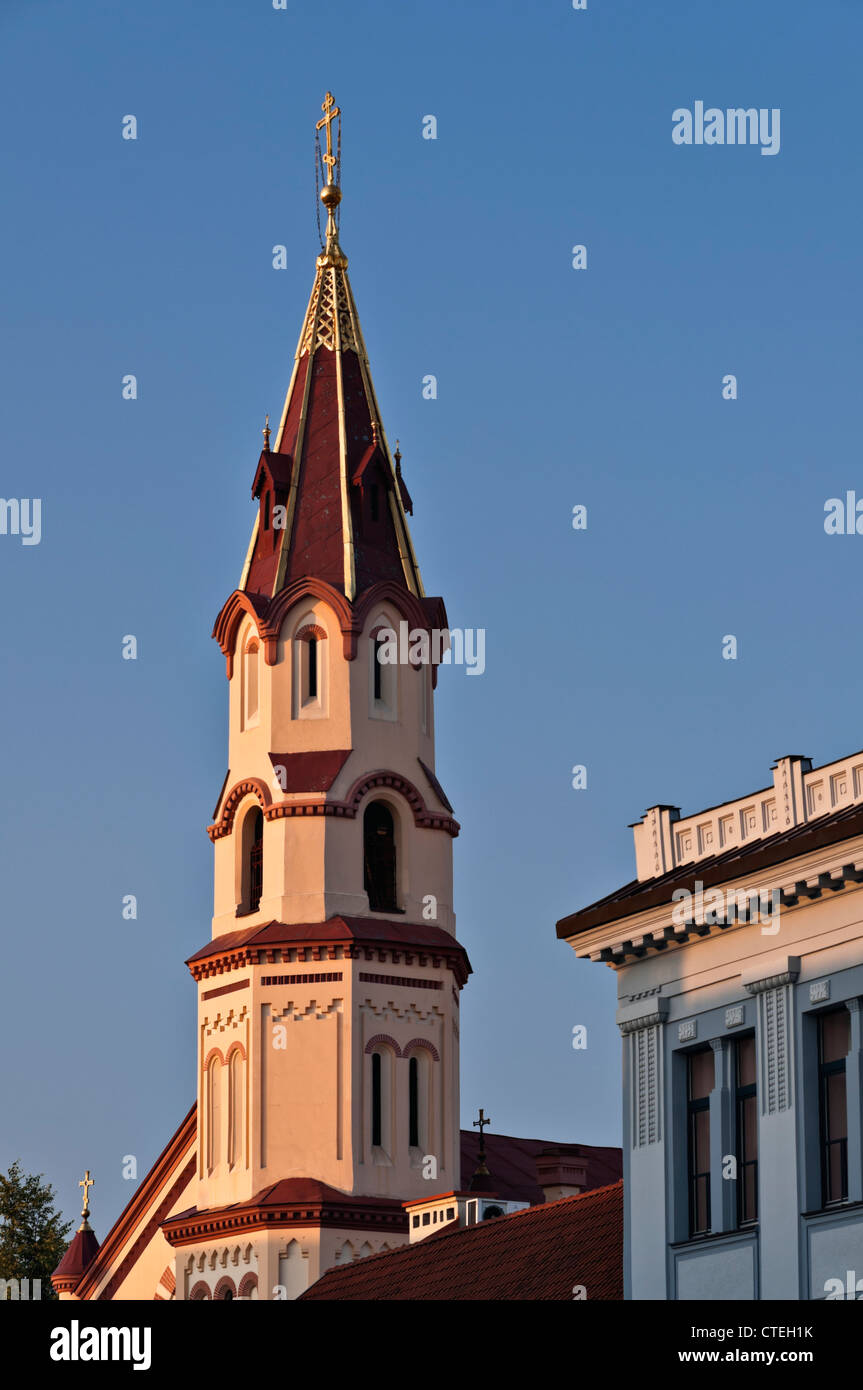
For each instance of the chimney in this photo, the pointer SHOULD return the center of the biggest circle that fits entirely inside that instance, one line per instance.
(560, 1173)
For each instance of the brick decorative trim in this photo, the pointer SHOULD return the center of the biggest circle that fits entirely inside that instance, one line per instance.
(225, 824)
(268, 615)
(421, 1042)
(383, 1038)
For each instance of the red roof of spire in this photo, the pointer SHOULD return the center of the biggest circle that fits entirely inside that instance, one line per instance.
(344, 502)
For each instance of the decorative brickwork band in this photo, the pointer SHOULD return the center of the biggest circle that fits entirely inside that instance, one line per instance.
(225, 824)
(383, 1038)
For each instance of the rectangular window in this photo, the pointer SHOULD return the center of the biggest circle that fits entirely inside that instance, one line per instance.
(747, 1132)
(701, 1081)
(834, 1040)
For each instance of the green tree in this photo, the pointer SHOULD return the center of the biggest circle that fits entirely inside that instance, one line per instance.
(33, 1235)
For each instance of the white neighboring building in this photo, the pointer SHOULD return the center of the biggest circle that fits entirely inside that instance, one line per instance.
(739, 955)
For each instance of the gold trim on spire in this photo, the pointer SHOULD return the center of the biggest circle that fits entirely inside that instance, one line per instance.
(331, 321)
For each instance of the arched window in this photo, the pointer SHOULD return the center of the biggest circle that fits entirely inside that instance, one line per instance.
(252, 849)
(312, 670)
(309, 678)
(379, 849)
(250, 685)
(381, 1134)
(377, 1100)
(385, 654)
(414, 1103)
(235, 1108)
(214, 1113)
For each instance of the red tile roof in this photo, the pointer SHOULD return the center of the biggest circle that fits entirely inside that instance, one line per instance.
(339, 928)
(539, 1254)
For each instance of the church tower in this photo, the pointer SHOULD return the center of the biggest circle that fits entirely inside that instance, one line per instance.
(328, 997)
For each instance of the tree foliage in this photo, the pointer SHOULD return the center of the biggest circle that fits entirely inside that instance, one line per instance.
(33, 1235)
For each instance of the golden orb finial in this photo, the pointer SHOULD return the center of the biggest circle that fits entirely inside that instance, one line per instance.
(331, 194)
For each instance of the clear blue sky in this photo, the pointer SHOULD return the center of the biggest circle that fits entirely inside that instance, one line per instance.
(556, 387)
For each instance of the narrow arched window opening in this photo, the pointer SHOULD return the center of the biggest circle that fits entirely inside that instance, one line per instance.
(413, 1103)
(379, 845)
(376, 1100)
(251, 684)
(313, 668)
(235, 1109)
(255, 868)
(376, 650)
(214, 1113)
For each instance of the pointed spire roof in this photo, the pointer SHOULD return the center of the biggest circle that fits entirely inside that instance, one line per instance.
(81, 1250)
(332, 502)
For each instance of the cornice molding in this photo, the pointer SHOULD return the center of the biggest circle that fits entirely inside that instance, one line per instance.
(354, 1214)
(778, 973)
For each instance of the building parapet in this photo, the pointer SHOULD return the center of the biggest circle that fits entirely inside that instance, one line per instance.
(799, 793)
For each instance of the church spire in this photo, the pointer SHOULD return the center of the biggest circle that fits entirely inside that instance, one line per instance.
(333, 504)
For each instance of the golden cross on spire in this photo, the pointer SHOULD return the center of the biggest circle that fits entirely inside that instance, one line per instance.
(87, 1182)
(330, 111)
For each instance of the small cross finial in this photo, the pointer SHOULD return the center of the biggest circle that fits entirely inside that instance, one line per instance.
(330, 111)
(482, 1122)
(398, 460)
(86, 1182)
(266, 433)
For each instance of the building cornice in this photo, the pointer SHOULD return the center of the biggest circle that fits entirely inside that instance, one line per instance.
(354, 1214)
(797, 882)
(276, 943)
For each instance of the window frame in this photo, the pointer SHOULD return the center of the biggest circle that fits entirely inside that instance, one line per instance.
(742, 1094)
(695, 1107)
(827, 1070)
